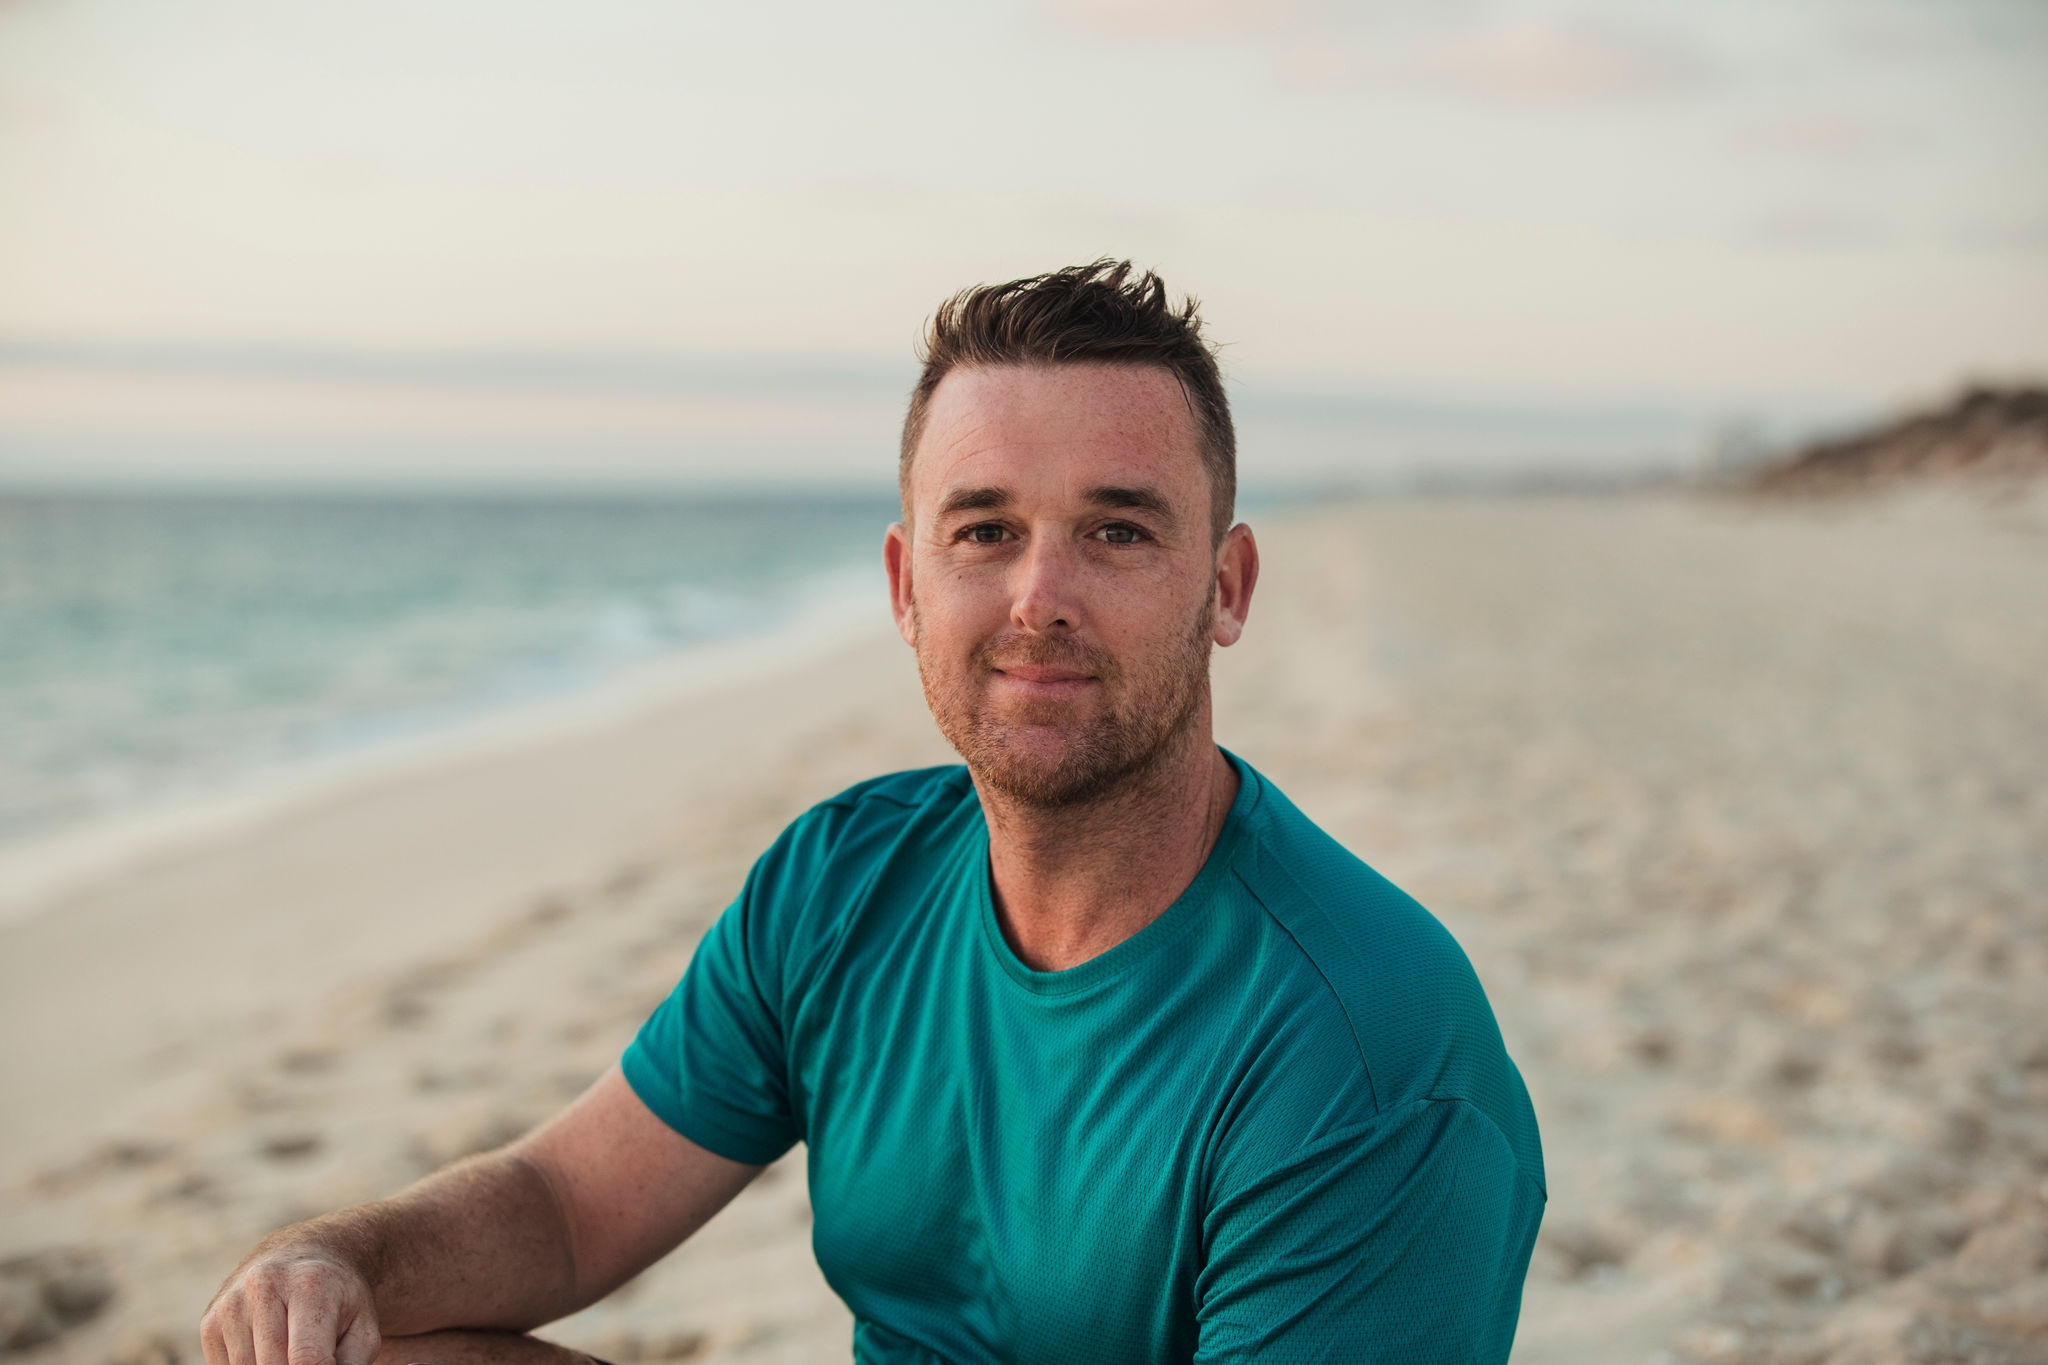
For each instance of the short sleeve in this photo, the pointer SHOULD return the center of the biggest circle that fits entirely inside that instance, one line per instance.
(1402, 1239)
(710, 1062)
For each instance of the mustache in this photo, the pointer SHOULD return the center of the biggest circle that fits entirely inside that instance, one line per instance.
(1015, 647)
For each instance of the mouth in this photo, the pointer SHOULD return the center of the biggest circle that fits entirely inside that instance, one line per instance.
(1044, 680)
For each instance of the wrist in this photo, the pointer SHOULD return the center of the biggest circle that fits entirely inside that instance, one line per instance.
(326, 1241)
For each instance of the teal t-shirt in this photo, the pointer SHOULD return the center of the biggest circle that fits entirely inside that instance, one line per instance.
(1276, 1124)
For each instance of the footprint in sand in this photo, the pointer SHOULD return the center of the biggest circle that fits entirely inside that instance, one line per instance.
(130, 1154)
(44, 1295)
(308, 1061)
(155, 1348)
(291, 1146)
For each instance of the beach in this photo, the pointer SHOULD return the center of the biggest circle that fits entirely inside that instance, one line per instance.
(1736, 804)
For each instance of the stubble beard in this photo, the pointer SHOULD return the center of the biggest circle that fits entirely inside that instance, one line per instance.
(1041, 760)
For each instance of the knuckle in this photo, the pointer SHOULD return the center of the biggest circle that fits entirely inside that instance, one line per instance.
(306, 1276)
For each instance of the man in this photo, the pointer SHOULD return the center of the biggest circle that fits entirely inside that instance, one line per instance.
(1102, 1050)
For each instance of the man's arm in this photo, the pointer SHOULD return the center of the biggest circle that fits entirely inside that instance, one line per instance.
(509, 1239)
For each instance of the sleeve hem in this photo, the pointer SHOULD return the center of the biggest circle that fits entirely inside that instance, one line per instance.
(746, 1148)
(649, 1084)
(663, 1101)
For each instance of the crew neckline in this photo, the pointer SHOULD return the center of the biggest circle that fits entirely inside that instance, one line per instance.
(1120, 958)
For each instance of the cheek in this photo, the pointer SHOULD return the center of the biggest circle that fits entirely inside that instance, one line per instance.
(1151, 621)
(957, 611)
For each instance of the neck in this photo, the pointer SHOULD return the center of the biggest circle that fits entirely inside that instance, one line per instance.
(1072, 882)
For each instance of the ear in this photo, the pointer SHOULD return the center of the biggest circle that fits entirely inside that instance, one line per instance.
(1237, 573)
(896, 559)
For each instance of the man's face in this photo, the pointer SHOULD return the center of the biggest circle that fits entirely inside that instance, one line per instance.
(1058, 576)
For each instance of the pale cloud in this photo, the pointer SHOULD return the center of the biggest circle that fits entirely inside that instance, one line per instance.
(85, 414)
(1816, 228)
(1463, 50)
(1169, 20)
(1818, 133)
(63, 402)
(2025, 235)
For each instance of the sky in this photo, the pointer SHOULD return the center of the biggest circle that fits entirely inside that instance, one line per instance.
(272, 238)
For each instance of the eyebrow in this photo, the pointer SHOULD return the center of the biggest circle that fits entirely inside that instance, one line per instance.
(991, 499)
(1133, 500)
(974, 500)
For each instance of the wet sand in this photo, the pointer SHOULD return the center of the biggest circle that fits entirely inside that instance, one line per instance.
(1737, 807)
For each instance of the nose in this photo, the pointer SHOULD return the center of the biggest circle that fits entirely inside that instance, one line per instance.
(1043, 587)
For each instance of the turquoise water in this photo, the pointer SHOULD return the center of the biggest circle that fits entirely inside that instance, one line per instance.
(156, 646)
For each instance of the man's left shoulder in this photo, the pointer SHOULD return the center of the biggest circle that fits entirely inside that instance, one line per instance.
(1421, 1020)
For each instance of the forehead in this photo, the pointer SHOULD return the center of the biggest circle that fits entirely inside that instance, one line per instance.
(1011, 425)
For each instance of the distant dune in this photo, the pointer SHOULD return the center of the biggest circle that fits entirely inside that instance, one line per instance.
(1985, 433)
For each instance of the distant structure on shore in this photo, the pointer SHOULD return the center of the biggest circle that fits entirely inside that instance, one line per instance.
(1987, 433)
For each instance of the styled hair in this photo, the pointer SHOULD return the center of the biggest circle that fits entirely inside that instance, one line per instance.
(1103, 313)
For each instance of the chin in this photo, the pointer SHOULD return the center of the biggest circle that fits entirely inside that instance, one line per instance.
(1046, 786)
(1046, 766)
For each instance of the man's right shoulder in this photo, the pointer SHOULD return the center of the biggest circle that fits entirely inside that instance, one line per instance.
(911, 790)
(845, 833)
(882, 806)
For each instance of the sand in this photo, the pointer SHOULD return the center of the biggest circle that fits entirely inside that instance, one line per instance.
(1736, 806)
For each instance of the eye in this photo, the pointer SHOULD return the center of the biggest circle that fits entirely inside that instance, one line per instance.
(987, 533)
(1121, 533)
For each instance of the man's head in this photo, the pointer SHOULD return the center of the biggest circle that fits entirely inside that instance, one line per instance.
(1065, 559)
(1104, 313)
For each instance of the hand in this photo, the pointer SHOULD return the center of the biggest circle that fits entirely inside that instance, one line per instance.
(292, 1306)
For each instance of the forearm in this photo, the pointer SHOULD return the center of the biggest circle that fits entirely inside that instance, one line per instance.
(484, 1243)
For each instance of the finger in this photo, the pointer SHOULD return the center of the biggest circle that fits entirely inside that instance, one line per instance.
(267, 1314)
(234, 1329)
(310, 1326)
(211, 1341)
(361, 1342)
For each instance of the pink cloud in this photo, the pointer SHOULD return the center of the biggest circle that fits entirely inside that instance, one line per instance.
(1537, 60)
(1513, 62)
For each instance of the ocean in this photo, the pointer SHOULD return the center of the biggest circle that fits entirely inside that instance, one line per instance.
(157, 647)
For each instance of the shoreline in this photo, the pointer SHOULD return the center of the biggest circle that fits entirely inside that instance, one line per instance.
(125, 993)
(42, 871)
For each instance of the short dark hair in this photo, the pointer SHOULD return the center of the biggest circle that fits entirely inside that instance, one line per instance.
(1103, 313)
